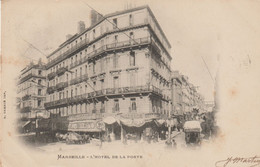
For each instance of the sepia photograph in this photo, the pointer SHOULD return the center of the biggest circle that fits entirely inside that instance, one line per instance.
(130, 83)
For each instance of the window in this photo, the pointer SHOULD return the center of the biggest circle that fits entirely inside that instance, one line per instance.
(132, 59)
(115, 61)
(39, 82)
(102, 65)
(80, 71)
(130, 20)
(94, 34)
(76, 91)
(76, 73)
(86, 69)
(94, 67)
(39, 103)
(115, 82)
(94, 108)
(116, 38)
(94, 47)
(40, 72)
(114, 23)
(80, 108)
(133, 104)
(131, 37)
(67, 77)
(102, 110)
(116, 105)
(71, 93)
(102, 84)
(94, 85)
(39, 92)
(132, 79)
(101, 29)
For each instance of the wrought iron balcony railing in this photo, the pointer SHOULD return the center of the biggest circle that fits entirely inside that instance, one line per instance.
(106, 92)
(116, 45)
(51, 89)
(61, 70)
(26, 97)
(61, 85)
(26, 109)
(51, 75)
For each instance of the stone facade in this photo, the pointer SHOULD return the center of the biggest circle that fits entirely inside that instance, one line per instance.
(122, 67)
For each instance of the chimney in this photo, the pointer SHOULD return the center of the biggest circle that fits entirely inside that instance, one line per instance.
(81, 26)
(95, 17)
(68, 36)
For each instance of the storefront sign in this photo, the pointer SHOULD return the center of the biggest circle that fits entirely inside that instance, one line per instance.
(87, 126)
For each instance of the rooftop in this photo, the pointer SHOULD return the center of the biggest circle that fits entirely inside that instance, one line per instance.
(111, 15)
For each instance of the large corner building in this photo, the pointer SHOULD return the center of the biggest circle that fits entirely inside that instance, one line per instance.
(118, 69)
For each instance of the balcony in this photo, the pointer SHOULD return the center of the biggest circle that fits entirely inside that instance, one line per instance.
(51, 89)
(26, 109)
(26, 97)
(113, 46)
(62, 85)
(100, 92)
(51, 75)
(106, 92)
(61, 70)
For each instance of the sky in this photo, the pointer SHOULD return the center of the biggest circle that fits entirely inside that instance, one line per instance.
(200, 32)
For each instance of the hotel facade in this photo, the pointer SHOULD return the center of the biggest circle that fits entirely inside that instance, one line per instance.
(117, 71)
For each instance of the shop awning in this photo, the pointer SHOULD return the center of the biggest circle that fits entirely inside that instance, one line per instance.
(134, 122)
(26, 123)
(110, 120)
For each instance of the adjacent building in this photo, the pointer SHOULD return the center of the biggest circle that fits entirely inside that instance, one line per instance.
(116, 69)
(31, 96)
(185, 96)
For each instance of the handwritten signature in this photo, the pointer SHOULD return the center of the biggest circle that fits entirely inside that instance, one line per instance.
(235, 161)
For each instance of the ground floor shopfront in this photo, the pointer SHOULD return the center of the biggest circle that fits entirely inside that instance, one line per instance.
(110, 127)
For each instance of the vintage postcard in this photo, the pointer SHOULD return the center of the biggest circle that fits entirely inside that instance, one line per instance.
(130, 83)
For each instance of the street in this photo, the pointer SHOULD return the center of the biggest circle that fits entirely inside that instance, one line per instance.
(131, 146)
